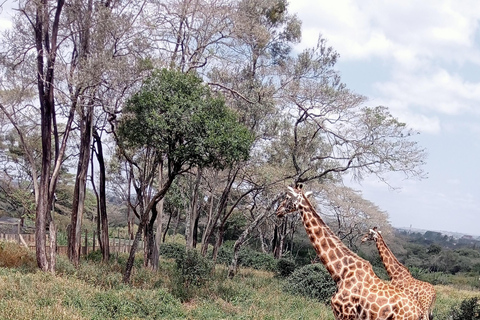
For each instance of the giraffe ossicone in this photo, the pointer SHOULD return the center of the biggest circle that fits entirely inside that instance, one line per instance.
(360, 293)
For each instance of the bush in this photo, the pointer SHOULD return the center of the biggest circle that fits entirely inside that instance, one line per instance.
(13, 255)
(193, 270)
(285, 267)
(312, 281)
(247, 258)
(257, 260)
(469, 309)
(172, 250)
(225, 253)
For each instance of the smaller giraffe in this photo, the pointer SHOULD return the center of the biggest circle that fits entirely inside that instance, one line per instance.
(360, 293)
(400, 276)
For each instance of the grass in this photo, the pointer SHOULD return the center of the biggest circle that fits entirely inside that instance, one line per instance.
(95, 291)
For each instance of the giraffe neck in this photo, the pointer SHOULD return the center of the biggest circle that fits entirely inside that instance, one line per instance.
(336, 256)
(396, 270)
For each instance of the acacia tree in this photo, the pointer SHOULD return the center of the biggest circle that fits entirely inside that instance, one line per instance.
(247, 78)
(78, 53)
(104, 36)
(175, 118)
(329, 132)
(350, 215)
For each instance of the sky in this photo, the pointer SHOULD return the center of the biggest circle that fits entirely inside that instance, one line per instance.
(421, 59)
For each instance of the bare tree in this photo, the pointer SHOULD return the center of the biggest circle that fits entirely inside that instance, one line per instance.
(349, 213)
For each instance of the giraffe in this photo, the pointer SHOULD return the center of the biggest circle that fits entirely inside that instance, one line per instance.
(400, 276)
(360, 293)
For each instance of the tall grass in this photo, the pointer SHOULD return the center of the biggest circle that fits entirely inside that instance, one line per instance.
(94, 290)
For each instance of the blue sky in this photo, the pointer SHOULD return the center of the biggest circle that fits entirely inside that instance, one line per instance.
(422, 60)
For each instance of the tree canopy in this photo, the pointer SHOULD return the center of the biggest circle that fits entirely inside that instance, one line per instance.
(177, 115)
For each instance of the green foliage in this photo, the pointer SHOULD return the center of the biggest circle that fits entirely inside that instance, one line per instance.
(172, 250)
(469, 309)
(247, 257)
(177, 115)
(285, 267)
(311, 281)
(434, 249)
(257, 260)
(127, 303)
(192, 270)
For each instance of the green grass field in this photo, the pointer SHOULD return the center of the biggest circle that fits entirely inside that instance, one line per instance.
(95, 291)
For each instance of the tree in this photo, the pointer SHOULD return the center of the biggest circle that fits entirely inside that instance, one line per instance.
(248, 79)
(331, 132)
(98, 45)
(175, 119)
(350, 215)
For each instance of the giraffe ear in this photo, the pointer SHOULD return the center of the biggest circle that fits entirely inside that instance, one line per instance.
(308, 194)
(291, 192)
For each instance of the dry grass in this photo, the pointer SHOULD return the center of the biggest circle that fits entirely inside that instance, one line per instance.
(95, 291)
(14, 256)
(447, 298)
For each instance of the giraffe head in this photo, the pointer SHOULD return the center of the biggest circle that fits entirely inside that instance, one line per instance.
(292, 200)
(372, 235)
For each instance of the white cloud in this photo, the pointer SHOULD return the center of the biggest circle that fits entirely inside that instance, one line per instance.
(438, 91)
(405, 31)
(422, 60)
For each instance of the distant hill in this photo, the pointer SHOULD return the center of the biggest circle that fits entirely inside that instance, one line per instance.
(455, 235)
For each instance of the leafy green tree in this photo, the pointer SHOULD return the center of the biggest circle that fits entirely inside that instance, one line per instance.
(182, 125)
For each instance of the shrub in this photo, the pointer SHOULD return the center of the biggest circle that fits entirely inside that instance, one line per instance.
(257, 260)
(469, 309)
(285, 267)
(247, 257)
(13, 255)
(172, 250)
(312, 281)
(95, 256)
(193, 270)
(225, 253)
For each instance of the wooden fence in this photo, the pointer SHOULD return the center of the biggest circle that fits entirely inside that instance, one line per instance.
(89, 243)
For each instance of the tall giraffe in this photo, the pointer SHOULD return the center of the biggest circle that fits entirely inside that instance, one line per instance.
(400, 276)
(360, 293)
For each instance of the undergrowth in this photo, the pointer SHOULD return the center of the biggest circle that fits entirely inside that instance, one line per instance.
(182, 288)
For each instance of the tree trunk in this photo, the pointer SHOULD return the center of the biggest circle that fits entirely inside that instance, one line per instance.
(130, 215)
(75, 236)
(133, 250)
(222, 204)
(151, 250)
(53, 246)
(232, 270)
(46, 47)
(219, 241)
(158, 236)
(143, 223)
(158, 232)
(204, 248)
(193, 213)
(102, 201)
(168, 224)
